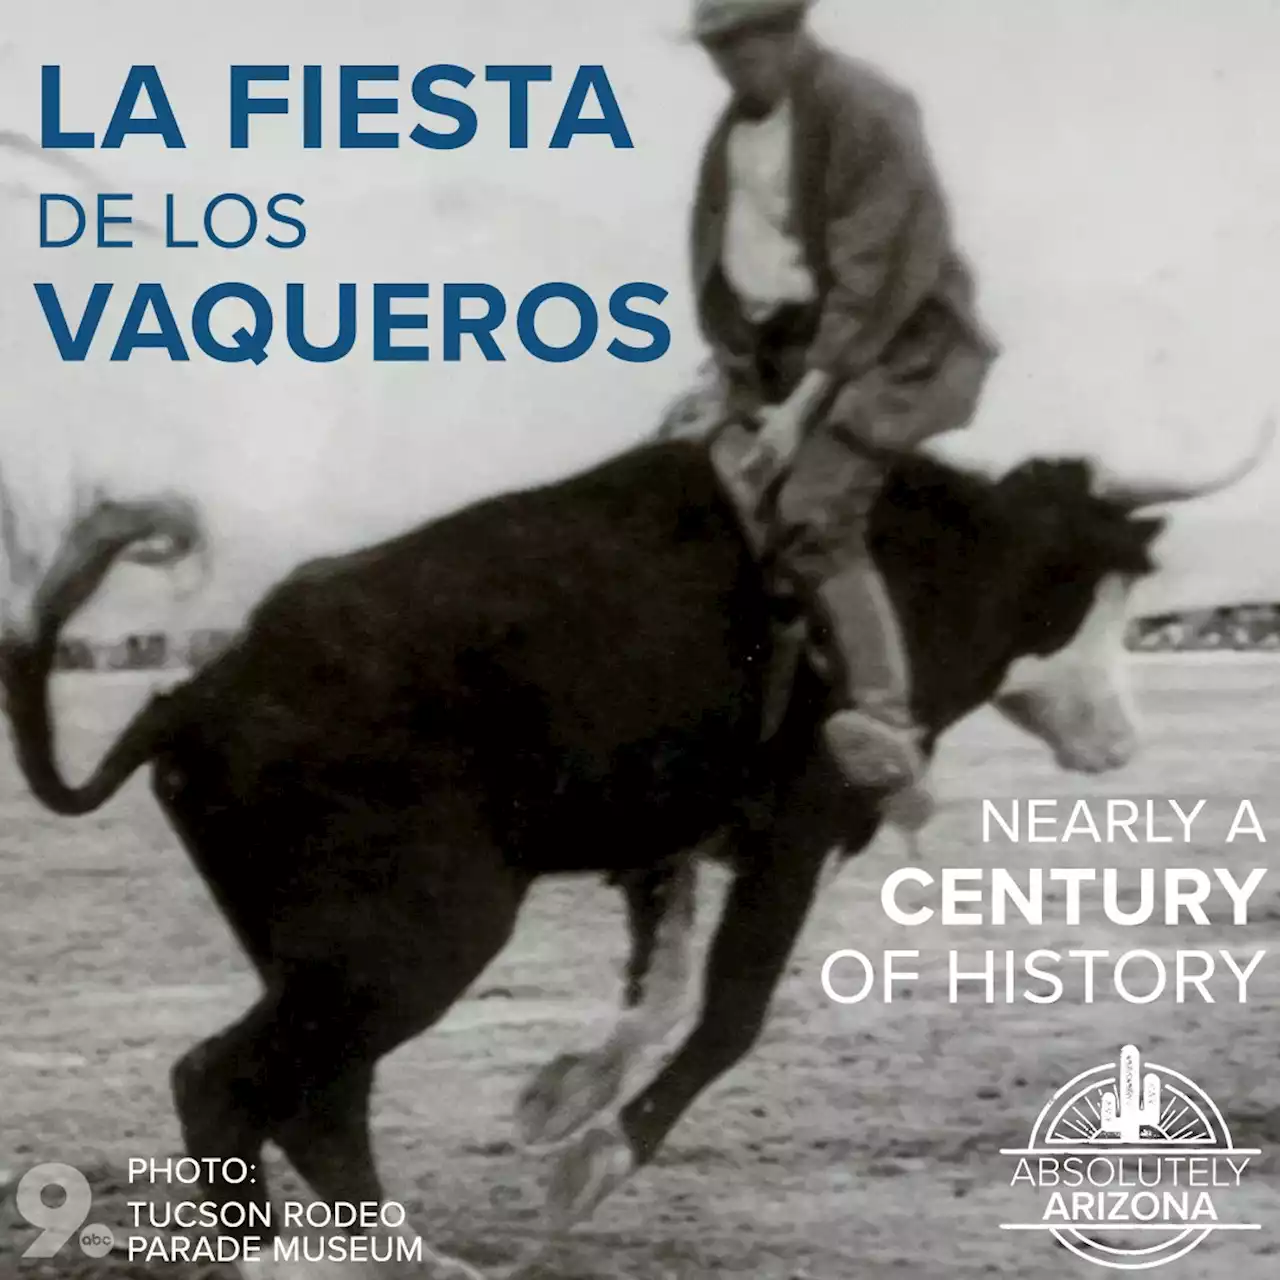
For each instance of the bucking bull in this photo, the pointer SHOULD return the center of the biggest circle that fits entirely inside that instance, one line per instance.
(569, 679)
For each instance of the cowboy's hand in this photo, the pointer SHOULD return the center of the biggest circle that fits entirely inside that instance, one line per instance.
(778, 440)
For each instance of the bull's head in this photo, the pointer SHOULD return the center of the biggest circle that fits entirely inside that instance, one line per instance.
(1069, 688)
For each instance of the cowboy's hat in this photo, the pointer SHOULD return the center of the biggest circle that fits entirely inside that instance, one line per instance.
(716, 18)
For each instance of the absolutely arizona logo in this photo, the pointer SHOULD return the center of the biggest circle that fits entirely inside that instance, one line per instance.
(1131, 1166)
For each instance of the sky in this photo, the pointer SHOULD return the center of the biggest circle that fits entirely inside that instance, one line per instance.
(1111, 164)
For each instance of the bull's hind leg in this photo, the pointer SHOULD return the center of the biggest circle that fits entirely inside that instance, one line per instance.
(298, 1070)
(322, 1078)
(576, 1087)
(222, 1117)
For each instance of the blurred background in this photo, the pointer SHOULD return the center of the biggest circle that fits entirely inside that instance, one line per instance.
(1114, 175)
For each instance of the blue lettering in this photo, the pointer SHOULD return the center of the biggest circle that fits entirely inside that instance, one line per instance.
(296, 325)
(104, 220)
(131, 335)
(571, 120)
(246, 344)
(69, 347)
(479, 327)
(588, 327)
(169, 241)
(384, 321)
(352, 106)
(246, 204)
(51, 134)
(518, 78)
(312, 110)
(296, 223)
(45, 242)
(438, 105)
(243, 106)
(621, 311)
(124, 122)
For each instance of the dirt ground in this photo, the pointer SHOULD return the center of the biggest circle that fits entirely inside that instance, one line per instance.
(857, 1143)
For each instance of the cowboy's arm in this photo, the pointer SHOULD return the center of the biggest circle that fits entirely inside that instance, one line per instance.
(710, 194)
(809, 393)
(886, 242)
(886, 245)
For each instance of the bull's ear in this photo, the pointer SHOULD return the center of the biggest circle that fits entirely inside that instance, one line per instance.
(1142, 534)
(1149, 528)
(1124, 545)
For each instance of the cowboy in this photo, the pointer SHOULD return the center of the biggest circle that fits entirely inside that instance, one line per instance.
(841, 318)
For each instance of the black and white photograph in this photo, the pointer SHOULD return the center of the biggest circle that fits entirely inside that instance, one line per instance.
(639, 641)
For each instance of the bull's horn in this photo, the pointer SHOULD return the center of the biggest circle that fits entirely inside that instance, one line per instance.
(1135, 493)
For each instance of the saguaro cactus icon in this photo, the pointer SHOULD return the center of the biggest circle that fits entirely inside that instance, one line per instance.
(1136, 1104)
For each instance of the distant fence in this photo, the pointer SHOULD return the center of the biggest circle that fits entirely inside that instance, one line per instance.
(1244, 628)
(149, 651)
(1253, 628)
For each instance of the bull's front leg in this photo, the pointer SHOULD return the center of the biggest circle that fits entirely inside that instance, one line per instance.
(575, 1088)
(764, 911)
(779, 870)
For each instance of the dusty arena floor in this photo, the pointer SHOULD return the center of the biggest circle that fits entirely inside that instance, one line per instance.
(858, 1143)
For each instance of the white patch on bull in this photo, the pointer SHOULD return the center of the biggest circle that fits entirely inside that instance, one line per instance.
(665, 985)
(576, 1088)
(1078, 700)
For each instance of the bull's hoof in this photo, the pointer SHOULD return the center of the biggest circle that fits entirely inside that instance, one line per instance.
(911, 809)
(569, 1091)
(871, 753)
(587, 1174)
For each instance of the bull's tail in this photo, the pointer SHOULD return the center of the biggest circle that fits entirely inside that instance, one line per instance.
(158, 532)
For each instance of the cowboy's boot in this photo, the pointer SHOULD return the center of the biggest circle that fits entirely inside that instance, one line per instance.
(875, 741)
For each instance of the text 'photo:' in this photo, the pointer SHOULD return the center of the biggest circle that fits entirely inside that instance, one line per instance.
(639, 641)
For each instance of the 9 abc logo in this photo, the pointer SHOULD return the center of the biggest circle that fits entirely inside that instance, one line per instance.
(59, 1223)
